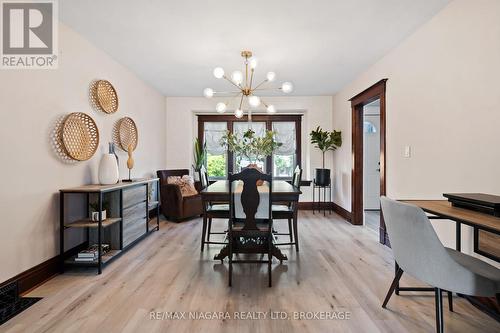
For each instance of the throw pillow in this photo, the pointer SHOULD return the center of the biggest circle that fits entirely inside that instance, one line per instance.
(186, 184)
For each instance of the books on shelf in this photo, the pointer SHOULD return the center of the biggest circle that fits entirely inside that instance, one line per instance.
(91, 254)
(89, 259)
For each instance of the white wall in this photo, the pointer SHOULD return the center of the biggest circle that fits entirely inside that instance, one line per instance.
(182, 128)
(443, 99)
(30, 102)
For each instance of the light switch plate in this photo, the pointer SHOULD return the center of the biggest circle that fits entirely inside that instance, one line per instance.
(407, 151)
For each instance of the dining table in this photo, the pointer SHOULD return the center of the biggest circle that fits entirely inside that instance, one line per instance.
(282, 191)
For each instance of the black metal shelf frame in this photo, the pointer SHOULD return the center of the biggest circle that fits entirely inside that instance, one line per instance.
(316, 205)
(100, 194)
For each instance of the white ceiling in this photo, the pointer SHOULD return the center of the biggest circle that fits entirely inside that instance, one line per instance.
(318, 45)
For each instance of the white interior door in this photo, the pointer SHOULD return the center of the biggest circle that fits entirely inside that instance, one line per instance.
(371, 161)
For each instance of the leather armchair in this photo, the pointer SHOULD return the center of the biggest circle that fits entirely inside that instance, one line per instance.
(174, 206)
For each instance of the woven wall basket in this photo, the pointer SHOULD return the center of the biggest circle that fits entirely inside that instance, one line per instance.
(79, 136)
(127, 133)
(104, 96)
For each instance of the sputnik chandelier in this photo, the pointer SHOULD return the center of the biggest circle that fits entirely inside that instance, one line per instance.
(246, 88)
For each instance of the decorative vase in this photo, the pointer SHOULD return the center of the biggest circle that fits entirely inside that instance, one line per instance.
(322, 177)
(108, 170)
(112, 151)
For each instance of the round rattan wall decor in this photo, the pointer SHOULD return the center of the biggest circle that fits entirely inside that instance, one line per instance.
(127, 133)
(104, 96)
(79, 136)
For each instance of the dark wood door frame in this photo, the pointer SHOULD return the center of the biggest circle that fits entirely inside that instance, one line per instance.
(376, 91)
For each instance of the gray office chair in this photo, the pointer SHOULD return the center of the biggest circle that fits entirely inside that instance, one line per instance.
(419, 252)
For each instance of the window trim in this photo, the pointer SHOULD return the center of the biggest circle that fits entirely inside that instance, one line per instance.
(268, 119)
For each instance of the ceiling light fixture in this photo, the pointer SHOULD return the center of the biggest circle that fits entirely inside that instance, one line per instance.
(245, 88)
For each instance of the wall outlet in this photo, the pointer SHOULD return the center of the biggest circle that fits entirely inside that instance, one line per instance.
(407, 152)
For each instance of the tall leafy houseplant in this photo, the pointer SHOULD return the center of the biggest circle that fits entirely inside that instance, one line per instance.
(325, 141)
(249, 145)
(199, 155)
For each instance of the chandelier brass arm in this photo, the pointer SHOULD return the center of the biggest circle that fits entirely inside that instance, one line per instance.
(244, 84)
(227, 92)
(230, 81)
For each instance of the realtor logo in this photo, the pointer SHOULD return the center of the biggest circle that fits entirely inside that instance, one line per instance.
(29, 34)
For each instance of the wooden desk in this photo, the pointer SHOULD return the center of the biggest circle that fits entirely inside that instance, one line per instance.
(442, 209)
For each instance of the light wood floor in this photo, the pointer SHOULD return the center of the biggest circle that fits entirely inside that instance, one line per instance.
(339, 268)
(372, 220)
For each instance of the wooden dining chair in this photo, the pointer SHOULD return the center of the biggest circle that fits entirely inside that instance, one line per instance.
(211, 210)
(288, 211)
(250, 224)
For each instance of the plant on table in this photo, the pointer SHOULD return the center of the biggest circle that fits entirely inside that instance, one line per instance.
(253, 148)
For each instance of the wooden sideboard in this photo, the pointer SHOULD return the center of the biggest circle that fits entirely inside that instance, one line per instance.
(128, 206)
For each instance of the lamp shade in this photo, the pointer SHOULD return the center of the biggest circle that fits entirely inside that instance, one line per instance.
(254, 101)
(220, 107)
(237, 77)
(208, 92)
(271, 76)
(287, 87)
(253, 62)
(219, 72)
(271, 109)
(238, 113)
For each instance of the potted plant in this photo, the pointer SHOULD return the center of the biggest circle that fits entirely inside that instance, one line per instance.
(200, 157)
(250, 146)
(94, 215)
(325, 141)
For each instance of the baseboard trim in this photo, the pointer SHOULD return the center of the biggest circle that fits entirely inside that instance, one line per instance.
(37, 275)
(308, 205)
(342, 212)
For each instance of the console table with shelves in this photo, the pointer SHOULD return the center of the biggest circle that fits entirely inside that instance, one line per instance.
(128, 207)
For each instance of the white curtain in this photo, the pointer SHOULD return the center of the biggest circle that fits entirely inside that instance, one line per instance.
(285, 134)
(214, 131)
(241, 127)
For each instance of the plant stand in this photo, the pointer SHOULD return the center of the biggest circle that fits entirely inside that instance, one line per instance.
(326, 205)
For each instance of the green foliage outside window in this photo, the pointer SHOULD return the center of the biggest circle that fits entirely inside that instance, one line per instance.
(216, 165)
(283, 165)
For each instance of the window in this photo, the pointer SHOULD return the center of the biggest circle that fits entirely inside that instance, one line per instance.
(284, 158)
(368, 127)
(239, 128)
(211, 128)
(216, 154)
